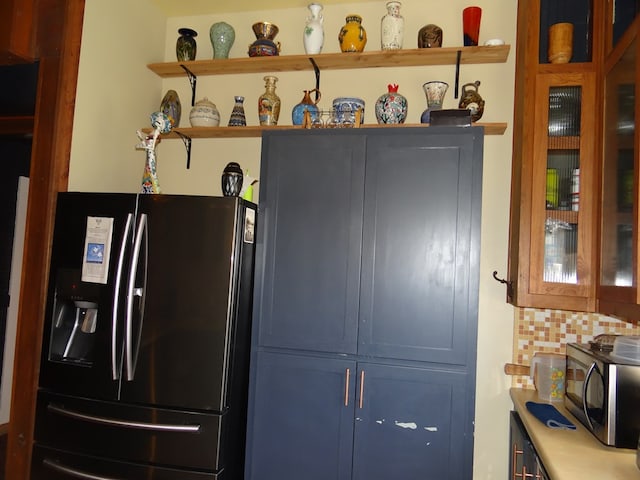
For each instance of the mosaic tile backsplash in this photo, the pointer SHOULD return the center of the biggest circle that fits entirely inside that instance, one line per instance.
(550, 330)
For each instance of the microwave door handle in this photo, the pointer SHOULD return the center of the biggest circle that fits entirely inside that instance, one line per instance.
(132, 292)
(116, 298)
(585, 388)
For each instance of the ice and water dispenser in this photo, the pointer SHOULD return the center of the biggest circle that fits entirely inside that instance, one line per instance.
(75, 318)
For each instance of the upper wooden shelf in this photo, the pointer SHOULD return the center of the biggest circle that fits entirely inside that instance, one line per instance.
(336, 61)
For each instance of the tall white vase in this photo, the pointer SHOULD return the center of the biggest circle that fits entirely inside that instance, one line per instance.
(392, 27)
(313, 35)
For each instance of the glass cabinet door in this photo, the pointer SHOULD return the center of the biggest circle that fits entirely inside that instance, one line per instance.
(563, 177)
(619, 179)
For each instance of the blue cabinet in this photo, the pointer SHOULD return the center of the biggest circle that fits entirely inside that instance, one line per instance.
(365, 308)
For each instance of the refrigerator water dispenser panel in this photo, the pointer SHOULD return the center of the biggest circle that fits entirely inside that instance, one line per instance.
(75, 319)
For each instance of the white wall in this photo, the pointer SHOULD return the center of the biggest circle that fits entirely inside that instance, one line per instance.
(116, 93)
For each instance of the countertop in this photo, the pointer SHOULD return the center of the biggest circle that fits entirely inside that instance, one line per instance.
(573, 454)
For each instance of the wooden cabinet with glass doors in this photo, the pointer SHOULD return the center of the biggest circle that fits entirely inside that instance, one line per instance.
(618, 284)
(553, 257)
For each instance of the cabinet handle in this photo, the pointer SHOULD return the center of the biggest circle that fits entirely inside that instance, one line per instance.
(516, 452)
(361, 388)
(347, 376)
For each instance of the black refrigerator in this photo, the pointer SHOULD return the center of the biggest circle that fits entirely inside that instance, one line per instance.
(145, 353)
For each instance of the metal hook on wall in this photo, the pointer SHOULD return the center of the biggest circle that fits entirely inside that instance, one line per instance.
(506, 282)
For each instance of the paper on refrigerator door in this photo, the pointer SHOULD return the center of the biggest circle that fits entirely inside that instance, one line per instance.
(97, 249)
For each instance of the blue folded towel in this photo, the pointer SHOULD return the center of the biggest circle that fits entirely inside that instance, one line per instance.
(550, 416)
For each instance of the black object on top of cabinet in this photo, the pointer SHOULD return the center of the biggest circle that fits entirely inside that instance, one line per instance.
(365, 306)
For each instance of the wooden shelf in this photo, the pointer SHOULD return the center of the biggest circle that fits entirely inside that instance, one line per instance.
(256, 131)
(336, 61)
(19, 125)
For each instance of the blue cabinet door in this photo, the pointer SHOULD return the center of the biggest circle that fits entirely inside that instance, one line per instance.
(302, 421)
(412, 424)
(309, 240)
(420, 267)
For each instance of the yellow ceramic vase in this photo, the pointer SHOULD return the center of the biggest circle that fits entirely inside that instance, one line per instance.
(352, 36)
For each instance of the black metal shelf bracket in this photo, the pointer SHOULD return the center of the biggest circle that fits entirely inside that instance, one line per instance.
(192, 81)
(457, 85)
(187, 145)
(316, 69)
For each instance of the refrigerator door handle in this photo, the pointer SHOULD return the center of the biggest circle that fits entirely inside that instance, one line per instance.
(133, 292)
(116, 298)
(58, 467)
(114, 422)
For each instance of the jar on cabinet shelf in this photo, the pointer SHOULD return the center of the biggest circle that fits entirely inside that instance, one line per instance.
(352, 36)
(391, 107)
(238, 118)
(392, 27)
(306, 105)
(222, 37)
(204, 114)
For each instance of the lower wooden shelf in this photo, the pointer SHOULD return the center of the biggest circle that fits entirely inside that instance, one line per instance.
(256, 131)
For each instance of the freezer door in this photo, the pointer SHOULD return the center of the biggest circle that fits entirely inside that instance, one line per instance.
(182, 327)
(130, 433)
(81, 351)
(53, 464)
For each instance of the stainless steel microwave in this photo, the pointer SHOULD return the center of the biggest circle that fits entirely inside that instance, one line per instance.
(603, 392)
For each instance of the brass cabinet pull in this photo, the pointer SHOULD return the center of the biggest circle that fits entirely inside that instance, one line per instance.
(516, 452)
(347, 376)
(361, 388)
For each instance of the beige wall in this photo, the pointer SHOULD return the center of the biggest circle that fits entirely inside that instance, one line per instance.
(116, 93)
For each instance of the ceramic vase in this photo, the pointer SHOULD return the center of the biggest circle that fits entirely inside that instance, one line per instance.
(471, 100)
(222, 37)
(352, 36)
(392, 27)
(313, 35)
(232, 180)
(171, 107)
(430, 36)
(391, 107)
(435, 92)
(204, 114)
(306, 105)
(186, 46)
(269, 102)
(150, 183)
(264, 46)
(238, 118)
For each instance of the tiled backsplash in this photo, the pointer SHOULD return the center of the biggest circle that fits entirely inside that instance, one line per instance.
(550, 330)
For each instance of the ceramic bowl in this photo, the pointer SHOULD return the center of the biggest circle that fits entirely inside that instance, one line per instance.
(347, 105)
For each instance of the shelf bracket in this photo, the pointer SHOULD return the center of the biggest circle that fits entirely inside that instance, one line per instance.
(316, 69)
(192, 81)
(187, 145)
(457, 81)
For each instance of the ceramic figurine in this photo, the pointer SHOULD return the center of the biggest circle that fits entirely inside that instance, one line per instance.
(352, 36)
(313, 36)
(161, 124)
